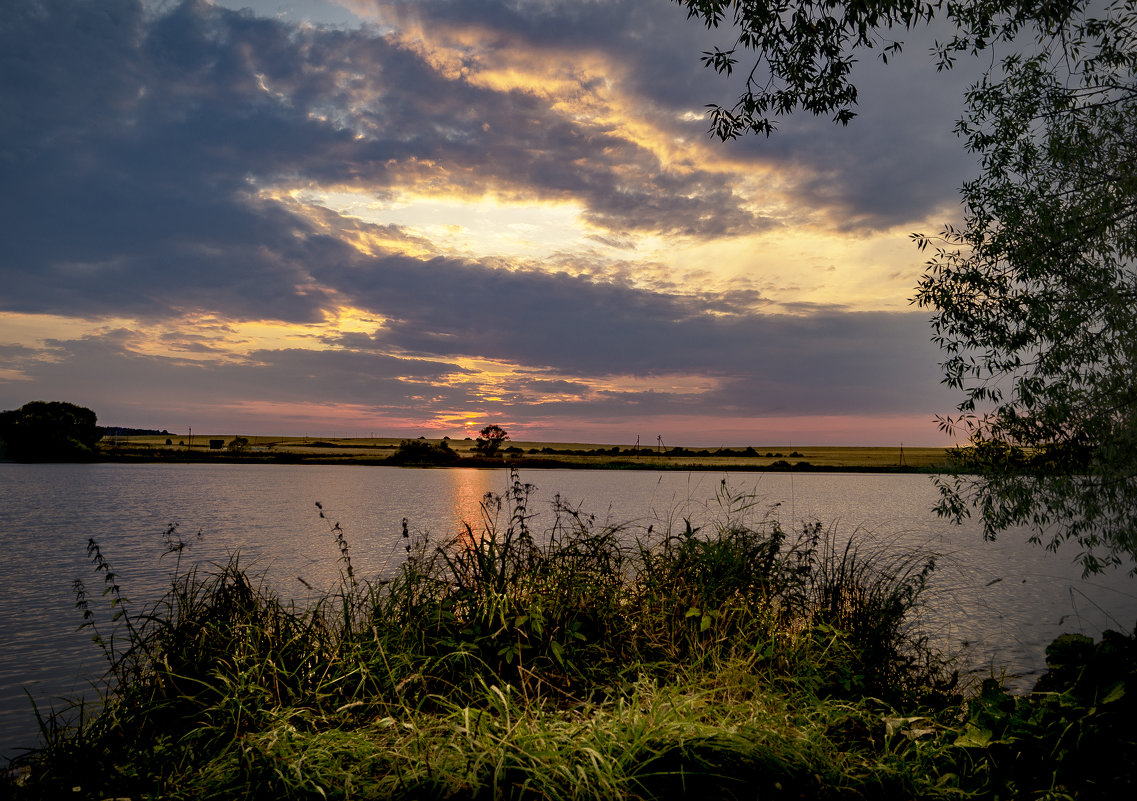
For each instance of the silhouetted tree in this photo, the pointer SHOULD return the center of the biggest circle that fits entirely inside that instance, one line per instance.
(490, 439)
(49, 431)
(1034, 297)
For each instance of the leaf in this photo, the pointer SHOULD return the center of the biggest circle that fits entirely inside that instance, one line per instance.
(1116, 693)
(973, 737)
(892, 725)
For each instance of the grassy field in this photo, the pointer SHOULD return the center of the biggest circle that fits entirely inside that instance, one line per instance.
(527, 453)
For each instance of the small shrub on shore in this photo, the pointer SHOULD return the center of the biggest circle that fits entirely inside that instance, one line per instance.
(419, 452)
(584, 661)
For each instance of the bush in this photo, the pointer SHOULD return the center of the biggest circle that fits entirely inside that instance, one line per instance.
(421, 452)
(1073, 736)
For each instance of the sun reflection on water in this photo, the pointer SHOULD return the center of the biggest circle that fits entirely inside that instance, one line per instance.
(468, 488)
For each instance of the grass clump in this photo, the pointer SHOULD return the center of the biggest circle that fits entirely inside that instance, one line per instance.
(585, 661)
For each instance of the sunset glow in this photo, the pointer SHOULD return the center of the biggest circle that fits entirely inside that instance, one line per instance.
(393, 218)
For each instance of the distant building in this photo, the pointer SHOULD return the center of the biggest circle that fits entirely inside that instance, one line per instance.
(216, 444)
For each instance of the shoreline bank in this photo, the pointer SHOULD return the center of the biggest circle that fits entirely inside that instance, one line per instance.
(523, 455)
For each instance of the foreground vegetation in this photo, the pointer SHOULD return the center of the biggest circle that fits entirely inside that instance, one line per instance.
(582, 662)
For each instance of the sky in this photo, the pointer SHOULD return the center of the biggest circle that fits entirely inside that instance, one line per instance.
(396, 218)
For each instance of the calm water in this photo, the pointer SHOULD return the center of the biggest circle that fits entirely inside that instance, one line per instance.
(998, 604)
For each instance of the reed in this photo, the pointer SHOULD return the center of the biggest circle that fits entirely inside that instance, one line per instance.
(585, 661)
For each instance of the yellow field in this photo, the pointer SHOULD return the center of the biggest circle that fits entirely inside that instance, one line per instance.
(598, 454)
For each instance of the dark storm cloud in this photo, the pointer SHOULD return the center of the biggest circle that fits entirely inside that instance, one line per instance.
(132, 151)
(651, 46)
(571, 326)
(138, 156)
(896, 163)
(777, 366)
(108, 371)
(16, 357)
(125, 161)
(347, 376)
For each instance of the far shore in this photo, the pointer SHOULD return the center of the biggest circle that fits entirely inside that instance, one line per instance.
(523, 454)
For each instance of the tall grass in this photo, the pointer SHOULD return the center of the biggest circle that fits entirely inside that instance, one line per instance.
(584, 661)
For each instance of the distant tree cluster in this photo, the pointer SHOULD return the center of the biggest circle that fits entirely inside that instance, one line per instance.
(49, 431)
(122, 431)
(421, 452)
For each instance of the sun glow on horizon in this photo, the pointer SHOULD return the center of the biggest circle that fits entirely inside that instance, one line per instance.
(444, 217)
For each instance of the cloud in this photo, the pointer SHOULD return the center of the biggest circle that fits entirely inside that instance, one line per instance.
(895, 164)
(136, 167)
(107, 369)
(167, 167)
(579, 326)
(723, 374)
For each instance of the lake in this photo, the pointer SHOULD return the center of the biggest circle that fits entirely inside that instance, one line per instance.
(997, 604)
